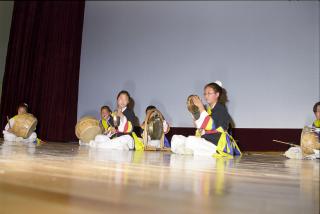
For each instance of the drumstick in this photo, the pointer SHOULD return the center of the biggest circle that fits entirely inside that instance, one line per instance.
(8, 122)
(291, 144)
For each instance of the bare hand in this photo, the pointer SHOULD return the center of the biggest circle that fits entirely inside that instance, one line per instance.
(197, 102)
(112, 130)
(142, 125)
(119, 113)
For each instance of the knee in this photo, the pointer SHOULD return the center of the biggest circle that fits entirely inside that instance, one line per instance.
(101, 138)
(9, 136)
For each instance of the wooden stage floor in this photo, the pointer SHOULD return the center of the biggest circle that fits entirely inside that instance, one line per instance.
(67, 178)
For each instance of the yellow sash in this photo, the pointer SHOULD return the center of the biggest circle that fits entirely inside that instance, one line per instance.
(104, 124)
(138, 144)
(222, 144)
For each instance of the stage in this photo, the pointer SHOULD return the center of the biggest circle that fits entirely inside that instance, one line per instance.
(68, 178)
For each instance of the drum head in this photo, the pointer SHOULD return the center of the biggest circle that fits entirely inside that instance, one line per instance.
(309, 141)
(24, 125)
(31, 129)
(192, 108)
(90, 133)
(155, 127)
(87, 129)
(116, 120)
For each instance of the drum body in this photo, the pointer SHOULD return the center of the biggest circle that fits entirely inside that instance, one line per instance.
(24, 125)
(309, 141)
(87, 129)
(153, 130)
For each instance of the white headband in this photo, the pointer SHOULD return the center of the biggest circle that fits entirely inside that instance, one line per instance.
(219, 83)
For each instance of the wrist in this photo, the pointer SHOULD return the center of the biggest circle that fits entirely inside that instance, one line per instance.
(201, 108)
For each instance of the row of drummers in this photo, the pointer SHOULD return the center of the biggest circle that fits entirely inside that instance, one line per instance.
(115, 130)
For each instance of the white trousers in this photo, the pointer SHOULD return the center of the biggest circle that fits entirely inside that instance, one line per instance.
(124, 142)
(8, 136)
(192, 145)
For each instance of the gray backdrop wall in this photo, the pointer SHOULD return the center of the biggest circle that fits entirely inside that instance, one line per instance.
(265, 53)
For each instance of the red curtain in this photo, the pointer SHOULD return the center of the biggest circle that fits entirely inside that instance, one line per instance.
(42, 65)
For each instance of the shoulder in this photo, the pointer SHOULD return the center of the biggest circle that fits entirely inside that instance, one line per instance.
(128, 111)
(129, 114)
(220, 107)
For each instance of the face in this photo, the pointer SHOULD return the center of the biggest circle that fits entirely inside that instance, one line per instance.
(22, 110)
(123, 100)
(210, 95)
(105, 113)
(317, 113)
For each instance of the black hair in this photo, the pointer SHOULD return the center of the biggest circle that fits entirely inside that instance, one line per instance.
(315, 107)
(150, 108)
(105, 107)
(124, 92)
(218, 89)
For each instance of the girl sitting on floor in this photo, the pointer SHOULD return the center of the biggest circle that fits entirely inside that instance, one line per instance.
(212, 125)
(7, 133)
(122, 138)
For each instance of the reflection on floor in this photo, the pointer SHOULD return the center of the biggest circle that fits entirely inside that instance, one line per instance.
(67, 178)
